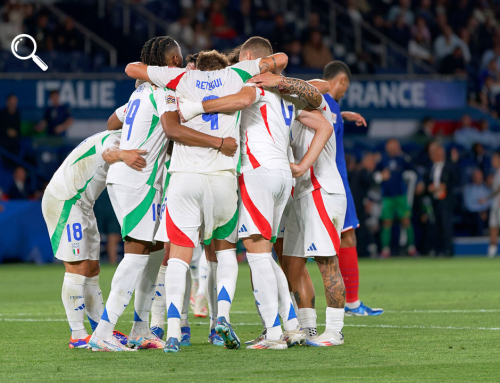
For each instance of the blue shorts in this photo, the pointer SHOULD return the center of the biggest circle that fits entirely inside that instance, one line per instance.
(351, 219)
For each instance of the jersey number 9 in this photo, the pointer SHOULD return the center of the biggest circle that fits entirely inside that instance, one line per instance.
(132, 108)
(212, 117)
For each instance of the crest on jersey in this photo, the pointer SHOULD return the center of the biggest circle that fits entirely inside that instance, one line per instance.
(170, 99)
(76, 248)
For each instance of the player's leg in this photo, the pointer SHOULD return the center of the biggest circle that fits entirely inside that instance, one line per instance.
(493, 225)
(211, 292)
(159, 304)
(386, 216)
(200, 308)
(112, 247)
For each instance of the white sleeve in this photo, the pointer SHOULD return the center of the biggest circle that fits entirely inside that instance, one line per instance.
(161, 76)
(166, 101)
(111, 140)
(121, 112)
(251, 67)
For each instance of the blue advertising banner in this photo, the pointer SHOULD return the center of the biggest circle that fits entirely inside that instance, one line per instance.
(98, 98)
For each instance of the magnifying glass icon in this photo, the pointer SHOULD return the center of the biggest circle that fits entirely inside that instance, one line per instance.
(15, 46)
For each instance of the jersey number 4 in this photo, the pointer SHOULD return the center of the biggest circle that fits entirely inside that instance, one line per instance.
(132, 107)
(212, 117)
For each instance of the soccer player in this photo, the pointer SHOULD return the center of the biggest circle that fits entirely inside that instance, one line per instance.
(338, 75)
(266, 181)
(67, 207)
(202, 190)
(389, 174)
(494, 221)
(136, 200)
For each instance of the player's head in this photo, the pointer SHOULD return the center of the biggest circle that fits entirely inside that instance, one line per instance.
(495, 160)
(162, 51)
(191, 61)
(255, 48)
(234, 55)
(393, 147)
(338, 75)
(211, 60)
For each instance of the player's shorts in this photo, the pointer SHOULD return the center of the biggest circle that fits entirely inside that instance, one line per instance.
(494, 217)
(263, 196)
(314, 224)
(393, 207)
(351, 219)
(72, 228)
(284, 216)
(137, 210)
(161, 234)
(201, 203)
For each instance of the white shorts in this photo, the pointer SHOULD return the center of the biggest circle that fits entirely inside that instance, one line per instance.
(284, 216)
(314, 225)
(201, 206)
(494, 217)
(72, 228)
(263, 196)
(137, 210)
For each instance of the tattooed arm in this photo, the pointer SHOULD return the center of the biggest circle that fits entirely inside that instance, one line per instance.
(292, 85)
(274, 63)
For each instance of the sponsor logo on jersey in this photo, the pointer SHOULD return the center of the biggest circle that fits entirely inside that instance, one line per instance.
(209, 85)
(76, 248)
(170, 99)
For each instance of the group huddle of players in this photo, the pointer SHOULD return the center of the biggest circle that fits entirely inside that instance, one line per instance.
(225, 149)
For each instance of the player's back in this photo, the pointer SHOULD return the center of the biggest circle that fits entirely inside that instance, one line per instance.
(141, 130)
(199, 86)
(83, 172)
(324, 173)
(265, 131)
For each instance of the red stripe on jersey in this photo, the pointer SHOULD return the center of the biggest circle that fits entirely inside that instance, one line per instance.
(293, 189)
(262, 93)
(263, 112)
(173, 83)
(257, 217)
(324, 108)
(176, 236)
(314, 180)
(330, 228)
(253, 160)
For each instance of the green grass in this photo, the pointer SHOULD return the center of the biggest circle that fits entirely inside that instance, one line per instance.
(430, 344)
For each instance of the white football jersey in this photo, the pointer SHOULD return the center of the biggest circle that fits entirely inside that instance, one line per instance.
(142, 130)
(324, 173)
(198, 86)
(83, 172)
(265, 130)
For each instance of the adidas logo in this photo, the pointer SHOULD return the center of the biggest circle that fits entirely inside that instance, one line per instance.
(312, 247)
(80, 307)
(243, 229)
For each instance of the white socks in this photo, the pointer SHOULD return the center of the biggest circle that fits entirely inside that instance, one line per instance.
(94, 305)
(159, 303)
(265, 288)
(307, 318)
(286, 309)
(334, 319)
(122, 287)
(212, 292)
(185, 302)
(227, 274)
(145, 292)
(74, 303)
(353, 305)
(175, 287)
(202, 276)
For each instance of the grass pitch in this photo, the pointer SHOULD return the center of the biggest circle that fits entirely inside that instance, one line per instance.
(442, 323)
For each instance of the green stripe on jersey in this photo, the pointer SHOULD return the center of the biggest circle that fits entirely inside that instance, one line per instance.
(133, 218)
(152, 99)
(152, 127)
(55, 239)
(104, 139)
(167, 180)
(88, 153)
(243, 74)
(224, 231)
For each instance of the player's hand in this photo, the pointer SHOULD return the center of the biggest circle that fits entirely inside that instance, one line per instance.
(297, 170)
(267, 79)
(229, 147)
(188, 109)
(356, 117)
(134, 159)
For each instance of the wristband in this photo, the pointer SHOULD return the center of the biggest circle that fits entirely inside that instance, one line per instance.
(190, 109)
(222, 143)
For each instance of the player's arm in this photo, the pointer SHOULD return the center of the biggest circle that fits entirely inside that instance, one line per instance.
(132, 158)
(356, 117)
(274, 63)
(314, 120)
(138, 70)
(322, 85)
(177, 132)
(227, 104)
(306, 91)
(114, 122)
